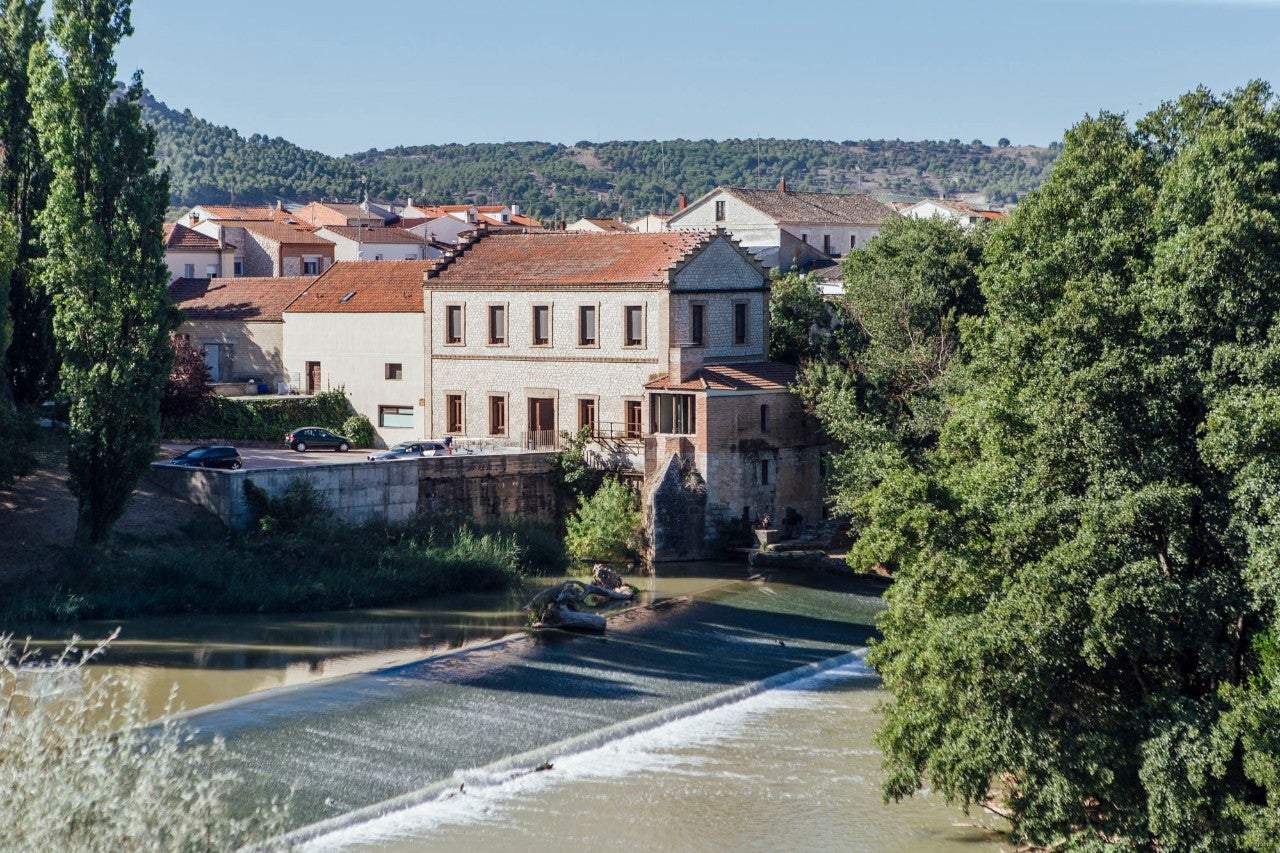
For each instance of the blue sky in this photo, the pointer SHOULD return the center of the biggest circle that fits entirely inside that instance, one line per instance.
(343, 77)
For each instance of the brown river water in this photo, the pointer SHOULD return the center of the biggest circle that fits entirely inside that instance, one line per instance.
(793, 766)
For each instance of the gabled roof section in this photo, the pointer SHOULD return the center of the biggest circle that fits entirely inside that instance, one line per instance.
(365, 287)
(609, 225)
(755, 376)
(260, 300)
(180, 237)
(567, 257)
(788, 206)
(221, 212)
(961, 207)
(364, 234)
(282, 232)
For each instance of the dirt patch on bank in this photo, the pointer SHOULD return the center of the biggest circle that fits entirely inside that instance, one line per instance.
(38, 517)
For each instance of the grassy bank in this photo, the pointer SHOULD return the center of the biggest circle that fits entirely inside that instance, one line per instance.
(312, 564)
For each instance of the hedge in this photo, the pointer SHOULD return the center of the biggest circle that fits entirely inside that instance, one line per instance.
(249, 419)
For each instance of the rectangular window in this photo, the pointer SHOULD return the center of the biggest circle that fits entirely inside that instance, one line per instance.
(379, 257)
(804, 238)
(673, 413)
(394, 371)
(497, 415)
(764, 418)
(188, 270)
(238, 266)
(826, 244)
(497, 324)
(764, 472)
(211, 271)
(853, 241)
(632, 415)
(395, 416)
(311, 266)
(635, 325)
(720, 211)
(541, 325)
(453, 324)
(586, 325)
(587, 414)
(453, 413)
(739, 323)
(697, 324)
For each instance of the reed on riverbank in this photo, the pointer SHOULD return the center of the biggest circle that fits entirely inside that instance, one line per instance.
(299, 560)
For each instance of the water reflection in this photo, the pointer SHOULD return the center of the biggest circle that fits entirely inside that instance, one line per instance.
(213, 659)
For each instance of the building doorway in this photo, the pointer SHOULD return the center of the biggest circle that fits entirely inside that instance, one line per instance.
(313, 377)
(542, 423)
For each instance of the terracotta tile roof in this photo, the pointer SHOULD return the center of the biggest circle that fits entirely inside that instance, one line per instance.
(325, 212)
(515, 222)
(756, 376)
(236, 211)
(179, 236)
(258, 299)
(373, 235)
(282, 232)
(814, 207)
(365, 287)
(412, 222)
(570, 257)
(526, 221)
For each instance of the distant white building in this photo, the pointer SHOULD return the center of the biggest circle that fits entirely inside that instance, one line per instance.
(359, 243)
(953, 210)
(599, 226)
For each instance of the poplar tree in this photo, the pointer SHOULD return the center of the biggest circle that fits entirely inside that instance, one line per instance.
(1082, 630)
(30, 363)
(104, 268)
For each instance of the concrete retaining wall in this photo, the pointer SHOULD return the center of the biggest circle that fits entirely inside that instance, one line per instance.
(485, 488)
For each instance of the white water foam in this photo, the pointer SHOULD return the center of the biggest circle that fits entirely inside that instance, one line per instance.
(486, 793)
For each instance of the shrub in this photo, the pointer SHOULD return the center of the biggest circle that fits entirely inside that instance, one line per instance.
(359, 429)
(187, 389)
(80, 772)
(231, 418)
(300, 506)
(607, 525)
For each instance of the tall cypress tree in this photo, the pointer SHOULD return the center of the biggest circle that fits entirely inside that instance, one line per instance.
(104, 267)
(30, 364)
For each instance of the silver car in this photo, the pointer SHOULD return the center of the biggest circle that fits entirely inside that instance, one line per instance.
(409, 450)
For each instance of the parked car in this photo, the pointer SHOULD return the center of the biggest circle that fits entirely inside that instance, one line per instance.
(316, 438)
(409, 450)
(210, 456)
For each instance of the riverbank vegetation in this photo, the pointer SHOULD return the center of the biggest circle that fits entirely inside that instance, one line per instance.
(1072, 471)
(299, 559)
(80, 771)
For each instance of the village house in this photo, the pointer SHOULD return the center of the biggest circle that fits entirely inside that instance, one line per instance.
(657, 343)
(364, 243)
(189, 253)
(239, 324)
(650, 223)
(320, 213)
(599, 226)
(361, 327)
(786, 229)
(952, 210)
(272, 248)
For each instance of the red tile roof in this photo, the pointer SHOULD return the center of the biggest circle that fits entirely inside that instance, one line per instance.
(794, 206)
(365, 287)
(179, 236)
(282, 232)
(320, 213)
(570, 257)
(236, 211)
(374, 235)
(257, 299)
(756, 376)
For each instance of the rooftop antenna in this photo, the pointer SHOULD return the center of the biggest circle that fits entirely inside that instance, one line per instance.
(757, 161)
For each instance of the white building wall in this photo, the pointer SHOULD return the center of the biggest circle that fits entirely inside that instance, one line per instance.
(748, 225)
(353, 351)
(199, 261)
(345, 249)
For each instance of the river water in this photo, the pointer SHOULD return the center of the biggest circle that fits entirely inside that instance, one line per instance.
(738, 714)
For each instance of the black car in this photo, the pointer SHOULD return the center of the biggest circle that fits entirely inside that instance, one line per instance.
(210, 456)
(315, 438)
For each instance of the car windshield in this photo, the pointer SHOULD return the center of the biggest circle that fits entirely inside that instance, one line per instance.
(405, 447)
(196, 453)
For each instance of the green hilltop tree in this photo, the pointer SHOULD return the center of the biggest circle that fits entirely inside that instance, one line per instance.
(1082, 631)
(29, 363)
(105, 265)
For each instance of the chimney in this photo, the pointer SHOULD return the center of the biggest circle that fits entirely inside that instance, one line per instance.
(193, 217)
(560, 226)
(515, 210)
(782, 185)
(409, 203)
(280, 204)
(682, 200)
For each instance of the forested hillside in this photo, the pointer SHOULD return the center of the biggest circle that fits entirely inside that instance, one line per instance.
(216, 164)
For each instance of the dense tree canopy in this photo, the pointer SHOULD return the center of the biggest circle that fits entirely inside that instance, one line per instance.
(1082, 628)
(105, 264)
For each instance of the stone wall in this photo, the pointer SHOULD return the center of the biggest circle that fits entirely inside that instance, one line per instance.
(484, 488)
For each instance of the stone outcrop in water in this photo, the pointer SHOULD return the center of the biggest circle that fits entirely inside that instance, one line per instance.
(562, 605)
